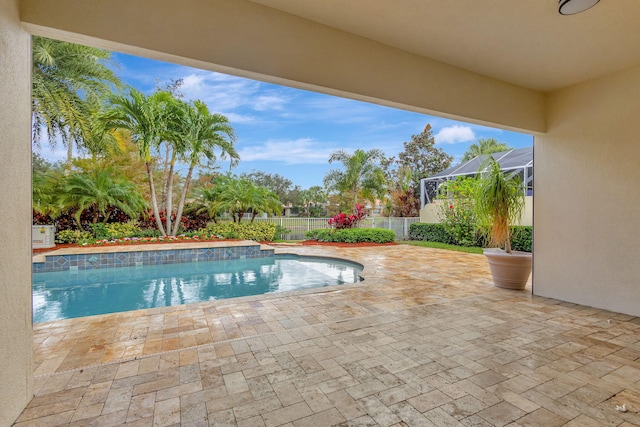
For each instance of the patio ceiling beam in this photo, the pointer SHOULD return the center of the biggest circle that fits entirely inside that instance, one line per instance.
(247, 39)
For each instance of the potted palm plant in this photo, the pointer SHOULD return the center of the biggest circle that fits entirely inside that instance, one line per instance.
(499, 201)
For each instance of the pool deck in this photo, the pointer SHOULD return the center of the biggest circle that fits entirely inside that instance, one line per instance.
(424, 340)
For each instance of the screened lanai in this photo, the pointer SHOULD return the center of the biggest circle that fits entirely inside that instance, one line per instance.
(518, 160)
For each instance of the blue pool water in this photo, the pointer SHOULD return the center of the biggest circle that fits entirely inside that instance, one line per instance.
(67, 294)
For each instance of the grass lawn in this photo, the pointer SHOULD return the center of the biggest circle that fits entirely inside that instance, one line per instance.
(437, 245)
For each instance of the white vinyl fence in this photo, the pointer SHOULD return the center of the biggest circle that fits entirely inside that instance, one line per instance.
(299, 226)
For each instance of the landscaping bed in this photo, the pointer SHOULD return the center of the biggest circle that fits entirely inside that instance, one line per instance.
(345, 245)
(130, 242)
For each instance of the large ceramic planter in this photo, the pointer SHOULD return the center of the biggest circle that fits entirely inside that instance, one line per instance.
(509, 271)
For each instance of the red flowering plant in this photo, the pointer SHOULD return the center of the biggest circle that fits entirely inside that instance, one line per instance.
(348, 221)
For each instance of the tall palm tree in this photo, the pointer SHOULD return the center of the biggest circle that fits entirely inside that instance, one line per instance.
(201, 134)
(65, 77)
(484, 146)
(100, 191)
(145, 117)
(362, 174)
(98, 140)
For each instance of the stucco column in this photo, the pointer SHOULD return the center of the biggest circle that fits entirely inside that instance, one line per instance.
(586, 230)
(16, 371)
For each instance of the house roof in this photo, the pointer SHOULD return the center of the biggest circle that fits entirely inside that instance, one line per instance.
(518, 158)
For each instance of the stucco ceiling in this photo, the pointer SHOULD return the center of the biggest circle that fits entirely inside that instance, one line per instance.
(524, 42)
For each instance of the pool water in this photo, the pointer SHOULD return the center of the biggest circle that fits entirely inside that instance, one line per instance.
(68, 294)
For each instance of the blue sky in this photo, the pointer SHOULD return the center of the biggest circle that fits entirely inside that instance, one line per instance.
(292, 132)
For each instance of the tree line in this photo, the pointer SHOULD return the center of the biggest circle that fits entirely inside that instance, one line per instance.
(371, 176)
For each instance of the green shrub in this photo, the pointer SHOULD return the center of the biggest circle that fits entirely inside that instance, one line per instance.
(99, 231)
(353, 235)
(147, 232)
(115, 230)
(457, 210)
(281, 231)
(228, 230)
(315, 234)
(431, 233)
(320, 234)
(522, 238)
(118, 230)
(258, 231)
(73, 236)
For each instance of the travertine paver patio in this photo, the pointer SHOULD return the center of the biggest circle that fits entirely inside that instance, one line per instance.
(425, 340)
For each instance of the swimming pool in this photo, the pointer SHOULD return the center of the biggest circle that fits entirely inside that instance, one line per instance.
(68, 294)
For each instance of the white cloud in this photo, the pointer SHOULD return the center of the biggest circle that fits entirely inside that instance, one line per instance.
(236, 118)
(53, 155)
(221, 95)
(298, 151)
(454, 134)
(228, 94)
(269, 102)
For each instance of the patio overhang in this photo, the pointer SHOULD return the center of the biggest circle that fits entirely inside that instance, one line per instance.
(251, 40)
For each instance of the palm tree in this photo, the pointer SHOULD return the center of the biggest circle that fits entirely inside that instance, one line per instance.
(65, 77)
(145, 117)
(484, 146)
(204, 202)
(238, 196)
(200, 135)
(264, 200)
(234, 197)
(101, 192)
(312, 196)
(119, 153)
(45, 188)
(362, 174)
(99, 140)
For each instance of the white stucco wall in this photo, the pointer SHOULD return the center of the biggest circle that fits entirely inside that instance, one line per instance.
(16, 371)
(429, 213)
(587, 210)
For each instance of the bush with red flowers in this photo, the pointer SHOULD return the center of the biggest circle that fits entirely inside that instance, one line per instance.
(341, 220)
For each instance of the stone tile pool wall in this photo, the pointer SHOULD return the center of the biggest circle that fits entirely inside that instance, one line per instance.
(154, 257)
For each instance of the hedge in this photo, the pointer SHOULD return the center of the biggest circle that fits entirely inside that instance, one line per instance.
(115, 230)
(430, 233)
(352, 235)
(521, 236)
(73, 236)
(261, 232)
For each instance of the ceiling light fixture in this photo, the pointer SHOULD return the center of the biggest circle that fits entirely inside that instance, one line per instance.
(571, 7)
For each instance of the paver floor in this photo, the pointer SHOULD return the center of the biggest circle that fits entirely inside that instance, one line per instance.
(424, 340)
